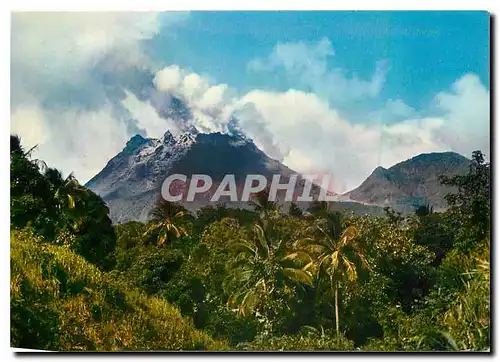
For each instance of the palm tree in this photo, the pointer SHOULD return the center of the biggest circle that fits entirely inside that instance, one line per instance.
(339, 255)
(261, 204)
(295, 210)
(66, 190)
(16, 147)
(264, 268)
(318, 207)
(166, 221)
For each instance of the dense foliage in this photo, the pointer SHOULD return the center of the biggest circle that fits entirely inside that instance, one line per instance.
(61, 302)
(246, 280)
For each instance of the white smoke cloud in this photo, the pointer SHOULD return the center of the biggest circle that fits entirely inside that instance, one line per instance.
(308, 135)
(210, 105)
(59, 96)
(168, 79)
(148, 118)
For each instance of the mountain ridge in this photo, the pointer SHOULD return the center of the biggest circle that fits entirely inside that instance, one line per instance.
(412, 182)
(131, 181)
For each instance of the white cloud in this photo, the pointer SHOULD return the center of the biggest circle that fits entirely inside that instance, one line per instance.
(393, 110)
(214, 98)
(304, 132)
(306, 65)
(71, 140)
(168, 79)
(29, 123)
(59, 98)
(301, 129)
(148, 118)
(466, 125)
(311, 137)
(53, 47)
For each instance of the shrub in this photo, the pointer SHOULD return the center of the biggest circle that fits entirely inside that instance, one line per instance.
(302, 342)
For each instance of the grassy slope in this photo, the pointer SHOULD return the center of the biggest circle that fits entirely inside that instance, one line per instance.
(61, 302)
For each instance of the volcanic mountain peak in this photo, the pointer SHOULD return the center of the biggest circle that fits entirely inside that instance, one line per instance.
(188, 137)
(168, 138)
(136, 167)
(131, 181)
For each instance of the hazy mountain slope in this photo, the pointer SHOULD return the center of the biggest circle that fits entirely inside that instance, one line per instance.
(411, 182)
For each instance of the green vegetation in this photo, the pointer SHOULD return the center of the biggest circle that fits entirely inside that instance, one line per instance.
(229, 279)
(61, 302)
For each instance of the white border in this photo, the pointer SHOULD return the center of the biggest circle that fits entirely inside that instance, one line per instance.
(145, 5)
(148, 5)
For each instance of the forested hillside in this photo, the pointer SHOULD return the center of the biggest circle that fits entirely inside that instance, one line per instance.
(234, 279)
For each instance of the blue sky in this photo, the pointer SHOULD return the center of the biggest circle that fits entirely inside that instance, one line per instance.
(329, 92)
(426, 51)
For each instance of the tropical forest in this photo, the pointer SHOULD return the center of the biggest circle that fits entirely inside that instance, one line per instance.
(246, 279)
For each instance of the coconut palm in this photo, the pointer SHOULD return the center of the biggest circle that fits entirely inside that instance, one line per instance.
(166, 221)
(261, 204)
(339, 255)
(67, 201)
(264, 269)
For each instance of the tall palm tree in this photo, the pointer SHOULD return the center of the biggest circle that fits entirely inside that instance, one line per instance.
(261, 204)
(339, 255)
(263, 267)
(166, 221)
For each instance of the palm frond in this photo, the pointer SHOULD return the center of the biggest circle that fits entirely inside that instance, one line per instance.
(153, 227)
(248, 303)
(299, 256)
(262, 245)
(297, 275)
(71, 201)
(335, 259)
(350, 268)
(242, 247)
(349, 235)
